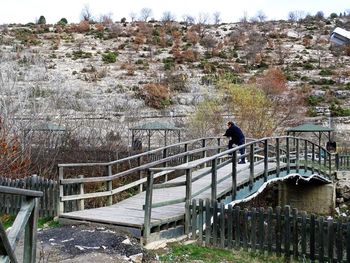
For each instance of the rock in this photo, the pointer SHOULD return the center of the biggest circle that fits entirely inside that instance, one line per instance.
(127, 241)
(343, 189)
(340, 200)
(136, 258)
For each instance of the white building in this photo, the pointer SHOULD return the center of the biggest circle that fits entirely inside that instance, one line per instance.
(340, 36)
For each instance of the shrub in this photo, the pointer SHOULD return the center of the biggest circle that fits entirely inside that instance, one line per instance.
(326, 72)
(81, 54)
(62, 22)
(169, 63)
(109, 57)
(156, 95)
(42, 20)
(308, 66)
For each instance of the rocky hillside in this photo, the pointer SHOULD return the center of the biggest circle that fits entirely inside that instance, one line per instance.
(111, 76)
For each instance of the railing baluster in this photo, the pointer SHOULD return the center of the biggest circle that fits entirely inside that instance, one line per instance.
(305, 155)
(81, 202)
(60, 202)
(313, 158)
(251, 167)
(278, 157)
(297, 157)
(266, 160)
(288, 154)
(213, 179)
(234, 175)
(109, 185)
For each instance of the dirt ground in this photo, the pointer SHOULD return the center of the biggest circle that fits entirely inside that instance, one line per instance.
(87, 244)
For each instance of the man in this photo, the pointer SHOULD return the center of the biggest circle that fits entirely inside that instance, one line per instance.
(237, 137)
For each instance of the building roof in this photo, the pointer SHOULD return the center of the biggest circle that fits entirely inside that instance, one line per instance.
(342, 32)
(47, 127)
(309, 127)
(156, 126)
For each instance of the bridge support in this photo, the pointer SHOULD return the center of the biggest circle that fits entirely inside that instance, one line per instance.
(311, 197)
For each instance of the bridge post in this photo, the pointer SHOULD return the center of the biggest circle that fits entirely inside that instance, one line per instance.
(81, 203)
(234, 175)
(219, 143)
(213, 179)
(266, 160)
(139, 162)
(251, 166)
(305, 155)
(337, 161)
(109, 185)
(188, 199)
(148, 205)
(185, 150)
(165, 164)
(204, 144)
(288, 154)
(297, 157)
(313, 158)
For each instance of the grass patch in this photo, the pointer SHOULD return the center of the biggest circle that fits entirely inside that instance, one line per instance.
(7, 221)
(188, 253)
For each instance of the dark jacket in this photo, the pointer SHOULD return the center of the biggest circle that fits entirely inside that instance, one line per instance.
(236, 134)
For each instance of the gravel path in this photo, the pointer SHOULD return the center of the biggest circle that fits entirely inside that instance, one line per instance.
(87, 244)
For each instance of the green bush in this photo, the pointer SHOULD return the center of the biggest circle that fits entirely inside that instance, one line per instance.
(42, 20)
(308, 66)
(80, 54)
(169, 63)
(109, 57)
(314, 100)
(326, 72)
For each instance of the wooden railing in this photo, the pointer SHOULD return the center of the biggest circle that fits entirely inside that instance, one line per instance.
(26, 220)
(130, 169)
(284, 232)
(285, 152)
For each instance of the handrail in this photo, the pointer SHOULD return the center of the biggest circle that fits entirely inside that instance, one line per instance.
(290, 152)
(26, 221)
(196, 148)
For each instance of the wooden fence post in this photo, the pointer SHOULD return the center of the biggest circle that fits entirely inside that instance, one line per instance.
(213, 179)
(266, 159)
(278, 164)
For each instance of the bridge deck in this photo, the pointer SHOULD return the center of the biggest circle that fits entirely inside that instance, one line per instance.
(130, 213)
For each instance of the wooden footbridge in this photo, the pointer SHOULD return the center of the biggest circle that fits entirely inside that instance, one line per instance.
(146, 193)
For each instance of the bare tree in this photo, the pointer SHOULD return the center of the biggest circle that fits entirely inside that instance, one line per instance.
(86, 14)
(261, 16)
(209, 42)
(244, 18)
(145, 14)
(216, 18)
(188, 19)
(296, 16)
(133, 16)
(106, 19)
(168, 17)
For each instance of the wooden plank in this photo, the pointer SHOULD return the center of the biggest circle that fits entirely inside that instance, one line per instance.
(269, 230)
(200, 221)
(278, 231)
(339, 240)
(222, 225)
(30, 235)
(287, 227)
(303, 233)
(230, 219)
(237, 228)
(244, 232)
(261, 228)
(207, 222)
(5, 246)
(253, 229)
(321, 242)
(215, 222)
(22, 192)
(330, 240)
(312, 237)
(193, 212)
(295, 227)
